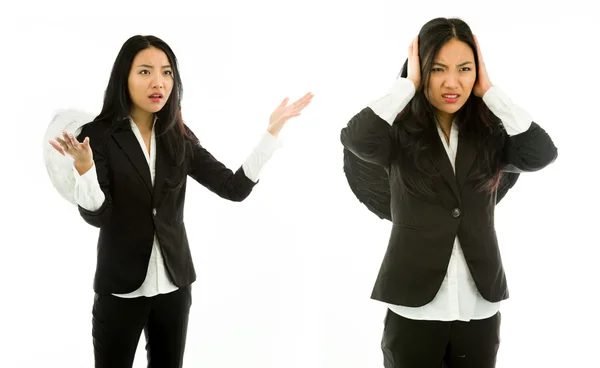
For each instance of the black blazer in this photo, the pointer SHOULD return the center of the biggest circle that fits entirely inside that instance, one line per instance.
(134, 210)
(423, 230)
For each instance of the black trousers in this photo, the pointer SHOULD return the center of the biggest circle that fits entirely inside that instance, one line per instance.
(117, 324)
(410, 343)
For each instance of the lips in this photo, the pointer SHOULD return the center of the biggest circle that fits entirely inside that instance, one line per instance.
(450, 95)
(156, 95)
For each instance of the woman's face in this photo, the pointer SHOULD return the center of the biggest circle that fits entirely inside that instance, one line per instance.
(150, 80)
(452, 78)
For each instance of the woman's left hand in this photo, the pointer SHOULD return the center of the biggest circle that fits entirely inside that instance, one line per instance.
(284, 112)
(483, 82)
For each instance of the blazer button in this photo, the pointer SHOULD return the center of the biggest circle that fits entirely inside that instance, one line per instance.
(154, 212)
(456, 213)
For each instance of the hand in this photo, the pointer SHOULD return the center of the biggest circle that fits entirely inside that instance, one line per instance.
(284, 112)
(81, 153)
(414, 64)
(483, 82)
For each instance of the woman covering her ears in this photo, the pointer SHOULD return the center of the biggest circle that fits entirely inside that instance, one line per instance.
(128, 169)
(434, 155)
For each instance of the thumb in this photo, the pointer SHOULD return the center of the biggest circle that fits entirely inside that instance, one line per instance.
(86, 142)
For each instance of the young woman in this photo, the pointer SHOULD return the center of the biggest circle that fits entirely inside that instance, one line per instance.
(445, 137)
(131, 165)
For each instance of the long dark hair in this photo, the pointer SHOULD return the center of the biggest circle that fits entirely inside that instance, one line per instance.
(414, 130)
(117, 102)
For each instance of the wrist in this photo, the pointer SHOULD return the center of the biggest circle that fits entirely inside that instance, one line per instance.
(415, 83)
(83, 166)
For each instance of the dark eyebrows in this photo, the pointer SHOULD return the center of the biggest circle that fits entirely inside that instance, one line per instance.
(445, 66)
(150, 66)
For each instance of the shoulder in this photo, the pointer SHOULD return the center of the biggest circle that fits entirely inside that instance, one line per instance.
(189, 136)
(94, 129)
(98, 132)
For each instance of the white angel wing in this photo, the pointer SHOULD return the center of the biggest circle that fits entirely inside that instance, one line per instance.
(59, 167)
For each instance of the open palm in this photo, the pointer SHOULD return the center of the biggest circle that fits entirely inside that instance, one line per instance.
(284, 112)
(69, 146)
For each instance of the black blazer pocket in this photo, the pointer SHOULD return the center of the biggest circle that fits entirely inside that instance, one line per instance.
(409, 226)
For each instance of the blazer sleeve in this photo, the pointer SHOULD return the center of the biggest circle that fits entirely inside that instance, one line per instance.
(101, 216)
(529, 151)
(215, 176)
(527, 146)
(367, 135)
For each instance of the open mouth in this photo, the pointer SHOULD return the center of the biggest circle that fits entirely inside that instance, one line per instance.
(155, 97)
(450, 97)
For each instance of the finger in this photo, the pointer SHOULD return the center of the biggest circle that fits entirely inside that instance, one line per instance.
(306, 97)
(300, 100)
(74, 140)
(477, 46)
(284, 102)
(67, 140)
(61, 142)
(57, 147)
(416, 48)
(303, 105)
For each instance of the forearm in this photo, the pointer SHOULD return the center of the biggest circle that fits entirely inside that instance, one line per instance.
(92, 203)
(514, 118)
(234, 186)
(394, 101)
(528, 147)
(87, 193)
(260, 155)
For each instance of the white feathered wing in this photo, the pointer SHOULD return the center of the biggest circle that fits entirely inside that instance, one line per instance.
(59, 167)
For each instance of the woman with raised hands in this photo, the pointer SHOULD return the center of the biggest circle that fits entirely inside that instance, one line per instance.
(447, 141)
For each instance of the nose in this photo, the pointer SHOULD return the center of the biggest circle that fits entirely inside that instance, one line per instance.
(157, 81)
(451, 80)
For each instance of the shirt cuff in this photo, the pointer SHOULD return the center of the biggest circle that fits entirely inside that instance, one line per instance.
(88, 177)
(261, 154)
(515, 119)
(394, 101)
(87, 192)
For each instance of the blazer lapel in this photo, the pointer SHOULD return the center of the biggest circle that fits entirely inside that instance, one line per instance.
(161, 168)
(440, 159)
(128, 142)
(465, 156)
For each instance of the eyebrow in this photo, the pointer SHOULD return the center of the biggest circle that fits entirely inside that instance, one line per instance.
(445, 66)
(150, 66)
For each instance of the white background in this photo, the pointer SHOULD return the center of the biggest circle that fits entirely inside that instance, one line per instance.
(284, 278)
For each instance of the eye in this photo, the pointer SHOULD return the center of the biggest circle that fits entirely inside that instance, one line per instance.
(437, 70)
(466, 69)
(169, 72)
(144, 71)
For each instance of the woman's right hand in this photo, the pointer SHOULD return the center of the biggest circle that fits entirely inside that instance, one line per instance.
(81, 153)
(414, 64)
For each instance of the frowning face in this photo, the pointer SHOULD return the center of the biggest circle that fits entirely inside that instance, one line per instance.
(451, 78)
